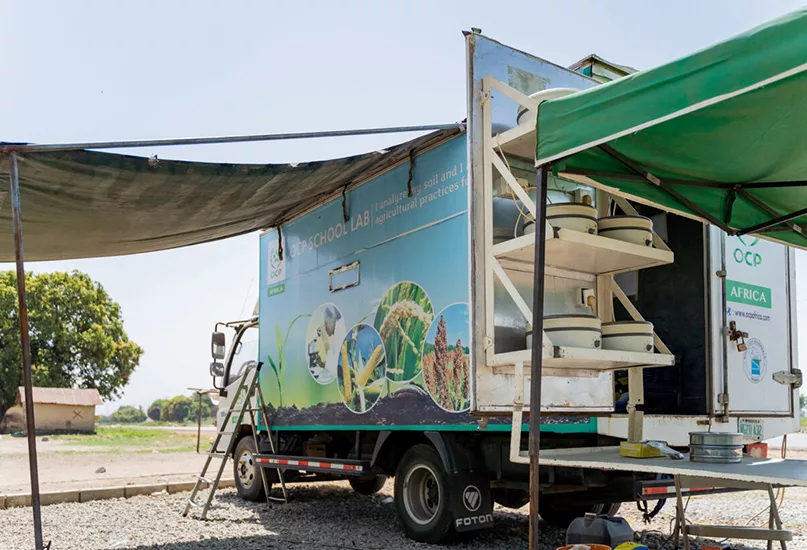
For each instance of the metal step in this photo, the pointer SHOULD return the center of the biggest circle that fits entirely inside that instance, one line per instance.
(217, 455)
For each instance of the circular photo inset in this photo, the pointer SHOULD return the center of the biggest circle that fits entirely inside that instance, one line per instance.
(326, 330)
(446, 359)
(402, 320)
(360, 373)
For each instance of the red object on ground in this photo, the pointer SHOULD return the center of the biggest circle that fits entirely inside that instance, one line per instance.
(756, 450)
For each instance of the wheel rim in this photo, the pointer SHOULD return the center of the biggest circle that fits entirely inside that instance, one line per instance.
(421, 494)
(246, 469)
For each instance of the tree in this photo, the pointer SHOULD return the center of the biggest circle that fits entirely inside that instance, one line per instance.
(77, 336)
(209, 410)
(155, 409)
(128, 415)
(178, 409)
(803, 403)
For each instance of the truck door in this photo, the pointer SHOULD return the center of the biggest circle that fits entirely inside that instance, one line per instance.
(752, 325)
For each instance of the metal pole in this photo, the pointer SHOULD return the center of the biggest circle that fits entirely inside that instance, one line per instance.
(770, 223)
(537, 354)
(40, 148)
(199, 422)
(30, 426)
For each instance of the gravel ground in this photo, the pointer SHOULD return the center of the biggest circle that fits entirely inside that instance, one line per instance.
(328, 516)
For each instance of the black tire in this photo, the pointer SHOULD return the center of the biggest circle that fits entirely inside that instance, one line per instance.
(367, 486)
(247, 474)
(510, 498)
(422, 499)
(561, 511)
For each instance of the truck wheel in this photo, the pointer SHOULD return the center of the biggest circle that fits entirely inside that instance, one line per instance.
(561, 512)
(247, 474)
(510, 498)
(367, 486)
(422, 495)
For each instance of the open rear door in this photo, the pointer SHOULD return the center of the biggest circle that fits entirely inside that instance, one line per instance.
(494, 390)
(753, 355)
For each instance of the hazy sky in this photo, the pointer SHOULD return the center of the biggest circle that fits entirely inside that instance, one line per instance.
(83, 71)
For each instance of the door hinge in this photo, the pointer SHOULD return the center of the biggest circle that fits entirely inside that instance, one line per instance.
(723, 398)
(789, 378)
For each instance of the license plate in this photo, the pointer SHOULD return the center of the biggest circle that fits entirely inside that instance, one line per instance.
(751, 429)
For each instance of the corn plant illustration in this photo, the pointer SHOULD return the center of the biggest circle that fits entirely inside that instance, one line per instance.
(360, 373)
(402, 320)
(277, 366)
(446, 371)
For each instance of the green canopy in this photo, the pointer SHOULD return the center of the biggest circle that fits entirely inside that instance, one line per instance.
(720, 135)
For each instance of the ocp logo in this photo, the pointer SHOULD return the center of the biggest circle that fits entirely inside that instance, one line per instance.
(276, 265)
(747, 257)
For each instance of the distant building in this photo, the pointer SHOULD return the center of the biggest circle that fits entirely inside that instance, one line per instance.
(55, 410)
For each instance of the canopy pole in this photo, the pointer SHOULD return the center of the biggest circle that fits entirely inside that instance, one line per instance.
(40, 148)
(776, 221)
(665, 187)
(537, 354)
(30, 426)
(768, 210)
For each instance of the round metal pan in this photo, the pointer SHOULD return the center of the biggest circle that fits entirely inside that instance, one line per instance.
(716, 454)
(715, 438)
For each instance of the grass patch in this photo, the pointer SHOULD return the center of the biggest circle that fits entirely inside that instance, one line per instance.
(130, 439)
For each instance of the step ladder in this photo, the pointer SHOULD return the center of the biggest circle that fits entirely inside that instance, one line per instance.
(773, 533)
(250, 388)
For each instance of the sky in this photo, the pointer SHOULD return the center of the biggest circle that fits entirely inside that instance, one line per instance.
(94, 71)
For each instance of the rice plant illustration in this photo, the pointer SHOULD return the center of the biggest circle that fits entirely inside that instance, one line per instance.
(402, 320)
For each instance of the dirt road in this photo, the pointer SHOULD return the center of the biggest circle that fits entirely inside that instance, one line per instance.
(71, 462)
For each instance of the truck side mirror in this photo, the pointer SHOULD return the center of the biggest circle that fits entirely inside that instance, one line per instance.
(217, 344)
(216, 369)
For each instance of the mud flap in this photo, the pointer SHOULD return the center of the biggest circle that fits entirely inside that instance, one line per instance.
(471, 502)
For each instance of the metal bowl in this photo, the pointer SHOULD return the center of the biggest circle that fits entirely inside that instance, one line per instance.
(715, 438)
(716, 454)
(716, 447)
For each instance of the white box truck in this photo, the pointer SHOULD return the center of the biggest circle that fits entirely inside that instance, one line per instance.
(389, 347)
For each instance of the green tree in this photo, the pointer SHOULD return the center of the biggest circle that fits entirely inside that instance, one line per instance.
(128, 415)
(803, 403)
(77, 336)
(155, 409)
(209, 410)
(178, 409)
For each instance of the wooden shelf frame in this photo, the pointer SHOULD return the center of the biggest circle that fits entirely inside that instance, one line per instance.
(569, 254)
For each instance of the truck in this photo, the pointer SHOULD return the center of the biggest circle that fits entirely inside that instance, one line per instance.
(391, 345)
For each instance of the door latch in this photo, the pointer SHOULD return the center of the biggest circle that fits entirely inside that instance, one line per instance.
(737, 336)
(789, 378)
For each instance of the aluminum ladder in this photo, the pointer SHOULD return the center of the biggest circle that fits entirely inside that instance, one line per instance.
(251, 391)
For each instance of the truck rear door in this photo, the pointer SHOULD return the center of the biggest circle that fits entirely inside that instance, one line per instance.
(753, 319)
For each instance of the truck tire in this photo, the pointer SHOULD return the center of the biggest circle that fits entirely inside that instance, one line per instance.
(562, 511)
(510, 498)
(247, 474)
(367, 486)
(422, 499)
